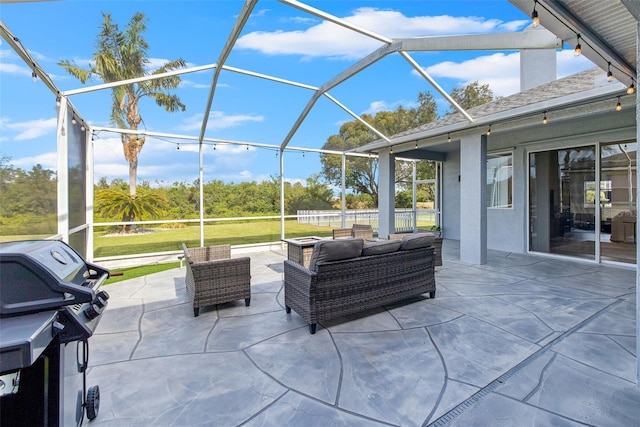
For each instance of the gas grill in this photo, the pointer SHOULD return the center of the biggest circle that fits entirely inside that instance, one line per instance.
(50, 304)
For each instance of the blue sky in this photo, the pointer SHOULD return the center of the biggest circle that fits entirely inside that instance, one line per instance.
(278, 40)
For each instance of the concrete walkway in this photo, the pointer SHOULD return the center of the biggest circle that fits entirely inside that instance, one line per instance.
(521, 341)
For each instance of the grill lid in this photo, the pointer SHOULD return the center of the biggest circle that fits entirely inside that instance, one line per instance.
(38, 275)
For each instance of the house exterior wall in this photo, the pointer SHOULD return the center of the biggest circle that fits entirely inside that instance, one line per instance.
(507, 228)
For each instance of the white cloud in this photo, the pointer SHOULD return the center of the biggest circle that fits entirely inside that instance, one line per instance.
(330, 40)
(376, 106)
(47, 160)
(218, 120)
(501, 71)
(30, 129)
(19, 70)
(569, 64)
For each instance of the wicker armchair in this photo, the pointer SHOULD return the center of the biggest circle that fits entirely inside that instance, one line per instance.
(361, 231)
(213, 277)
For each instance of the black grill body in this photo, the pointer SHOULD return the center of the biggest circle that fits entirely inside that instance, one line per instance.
(50, 305)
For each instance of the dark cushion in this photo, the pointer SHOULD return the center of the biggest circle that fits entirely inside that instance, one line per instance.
(381, 247)
(335, 250)
(418, 240)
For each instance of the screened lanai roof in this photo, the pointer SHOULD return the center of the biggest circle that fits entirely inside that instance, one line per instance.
(607, 32)
(387, 46)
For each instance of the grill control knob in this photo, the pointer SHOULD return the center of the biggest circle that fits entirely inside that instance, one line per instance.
(103, 294)
(101, 299)
(92, 311)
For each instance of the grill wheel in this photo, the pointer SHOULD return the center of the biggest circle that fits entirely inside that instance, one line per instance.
(93, 402)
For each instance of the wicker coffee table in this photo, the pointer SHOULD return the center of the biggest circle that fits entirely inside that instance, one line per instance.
(299, 249)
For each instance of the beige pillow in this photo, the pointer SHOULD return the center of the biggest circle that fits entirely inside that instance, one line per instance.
(418, 240)
(335, 250)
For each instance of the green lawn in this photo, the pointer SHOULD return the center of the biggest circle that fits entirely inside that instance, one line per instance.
(218, 234)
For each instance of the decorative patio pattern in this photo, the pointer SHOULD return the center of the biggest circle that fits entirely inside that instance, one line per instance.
(523, 340)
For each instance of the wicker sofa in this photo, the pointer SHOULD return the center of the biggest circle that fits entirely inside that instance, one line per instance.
(349, 276)
(213, 277)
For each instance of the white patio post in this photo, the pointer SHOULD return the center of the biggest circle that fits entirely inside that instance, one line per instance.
(63, 168)
(473, 205)
(386, 193)
(343, 222)
(637, 194)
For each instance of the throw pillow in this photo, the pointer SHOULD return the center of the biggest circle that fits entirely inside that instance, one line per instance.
(381, 247)
(335, 250)
(418, 240)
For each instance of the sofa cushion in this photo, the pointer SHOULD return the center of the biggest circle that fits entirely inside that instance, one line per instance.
(335, 250)
(381, 247)
(418, 240)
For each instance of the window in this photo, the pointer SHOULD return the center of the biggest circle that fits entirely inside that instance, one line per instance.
(499, 181)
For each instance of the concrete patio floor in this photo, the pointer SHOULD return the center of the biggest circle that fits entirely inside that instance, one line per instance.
(520, 341)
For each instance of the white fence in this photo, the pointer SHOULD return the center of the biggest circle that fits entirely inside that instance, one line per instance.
(404, 218)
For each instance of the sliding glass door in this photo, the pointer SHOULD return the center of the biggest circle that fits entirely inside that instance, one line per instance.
(618, 201)
(573, 214)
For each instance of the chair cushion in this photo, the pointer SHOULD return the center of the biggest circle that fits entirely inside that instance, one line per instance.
(381, 247)
(335, 250)
(418, 240)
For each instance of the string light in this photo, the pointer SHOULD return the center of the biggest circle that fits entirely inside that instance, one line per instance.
(578, 50)
(631, 88)
(544, 119)
(73, 120)
(609, 73)
(534, 15)
(449, 137)
(214, 147)
(247, 147)
(416, 145)
(618, 105)
(303, 154)
(489, 131)
(34, 76)
(178, 145)
(391, 151)
(82, 128)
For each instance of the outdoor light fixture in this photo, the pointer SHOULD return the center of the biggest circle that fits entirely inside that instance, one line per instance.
(34, 76)
(618, 105)
(489, 131)
(247, 147)
(631, 88)
(609, 73)
(544, 119)
(82, 128)
(214, 147)
(449, 137)
(416, 145)
(534, 15)
(578, 50)
(391, 151)
(73, 120)
(178, 146)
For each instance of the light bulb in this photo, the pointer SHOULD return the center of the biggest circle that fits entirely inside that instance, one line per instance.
(618, 105)
(578, 50)
(631, 89)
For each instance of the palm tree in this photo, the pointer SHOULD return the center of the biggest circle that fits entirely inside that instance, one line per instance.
(122, 55)
(148, 204)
